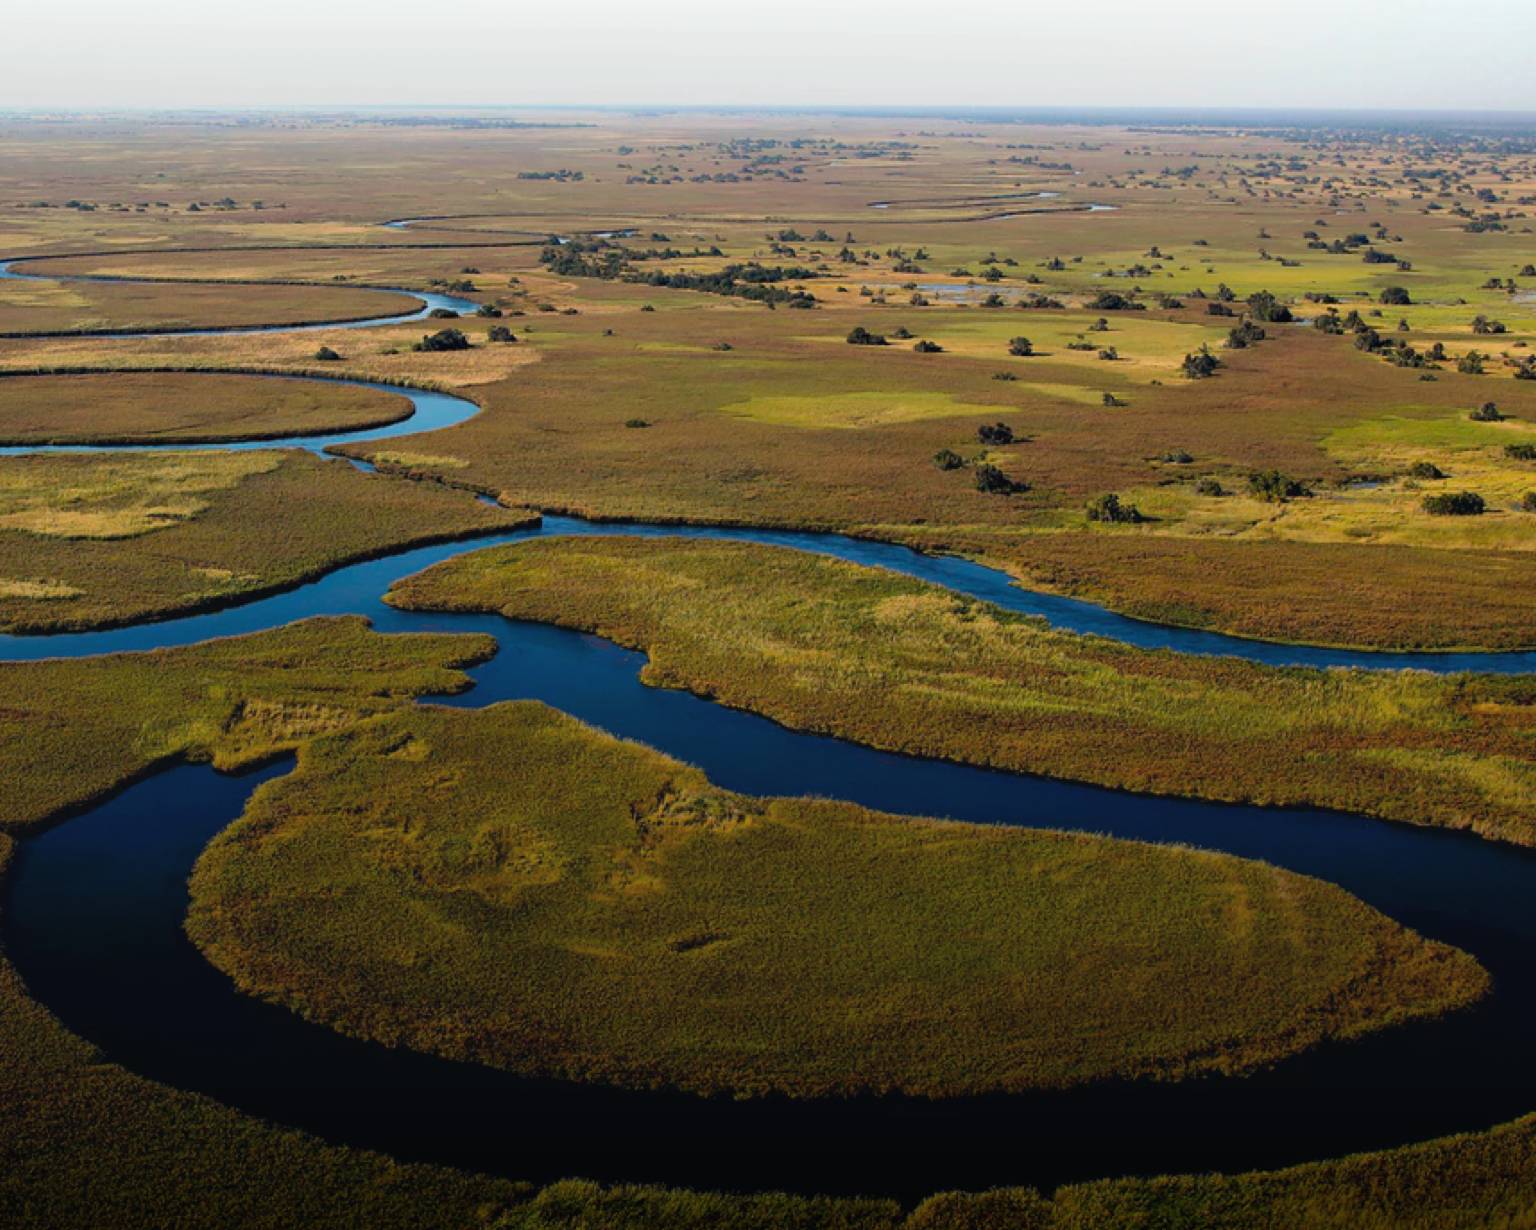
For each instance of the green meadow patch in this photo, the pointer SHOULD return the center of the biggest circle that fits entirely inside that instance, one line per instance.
(844, 410)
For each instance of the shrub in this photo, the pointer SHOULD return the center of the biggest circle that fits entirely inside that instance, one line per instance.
(1109, 354)
(1177, 456)
(722, 346)
(1111, 401)
(500, 333)
(924, 346)
(1396, 296)
(1488, 412)
(1274, 486)
(993, 481)
(948, 459)
(1113, 301)
(902, 332)
(995, 433)
(443, 339)
(1108, 508)
(1200, 365)
(1265, 307)
(1454, 504)
(486, 310)
(326, 355)
(860, 336)
(1520, 452)
(1003, 376)
(442, 314)
(1209, 486)
(1470, 364)
(637, 423)
(1244, 335)
(1528, 502)
(1020, 347)
(1425, 469)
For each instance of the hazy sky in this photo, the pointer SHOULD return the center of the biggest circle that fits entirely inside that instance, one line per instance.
(216, 53)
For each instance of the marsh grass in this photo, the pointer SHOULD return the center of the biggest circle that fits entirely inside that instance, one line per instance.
(147, 534)
(77, 728)
(145, 407)
(28, 307)
(512, 887)
(865, 654)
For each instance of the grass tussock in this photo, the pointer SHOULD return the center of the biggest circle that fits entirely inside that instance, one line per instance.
(822, 645)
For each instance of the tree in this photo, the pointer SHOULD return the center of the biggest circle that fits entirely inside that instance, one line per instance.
(995, 433)
(860, 336)
(1020, 347)
(1488, 412)
(1470, 364)
(1200, 365)
(1265, 307)
(992, 481)
(1108, 508)
(1396, 296)
(924, 346)
(443, 339)
(500, 333)
(1276, 487)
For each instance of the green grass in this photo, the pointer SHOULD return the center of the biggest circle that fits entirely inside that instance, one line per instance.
(515, 888)
(868, 409)
(822, 645)
(94, 539)
(77, 728)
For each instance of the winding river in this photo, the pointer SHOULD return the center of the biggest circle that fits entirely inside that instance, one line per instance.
(95, 905)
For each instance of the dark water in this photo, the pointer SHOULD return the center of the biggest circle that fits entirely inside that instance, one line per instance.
(95, 907)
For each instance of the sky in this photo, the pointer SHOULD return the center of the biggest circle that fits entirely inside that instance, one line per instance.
(1410, 54)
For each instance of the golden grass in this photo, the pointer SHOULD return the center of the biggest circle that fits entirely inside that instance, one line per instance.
(118, 495)
(136, 535)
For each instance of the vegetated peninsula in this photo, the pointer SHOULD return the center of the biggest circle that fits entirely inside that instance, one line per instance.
(513, 887)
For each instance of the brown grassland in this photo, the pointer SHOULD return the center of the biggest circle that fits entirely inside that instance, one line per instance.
(35, 307)
(147, 408)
